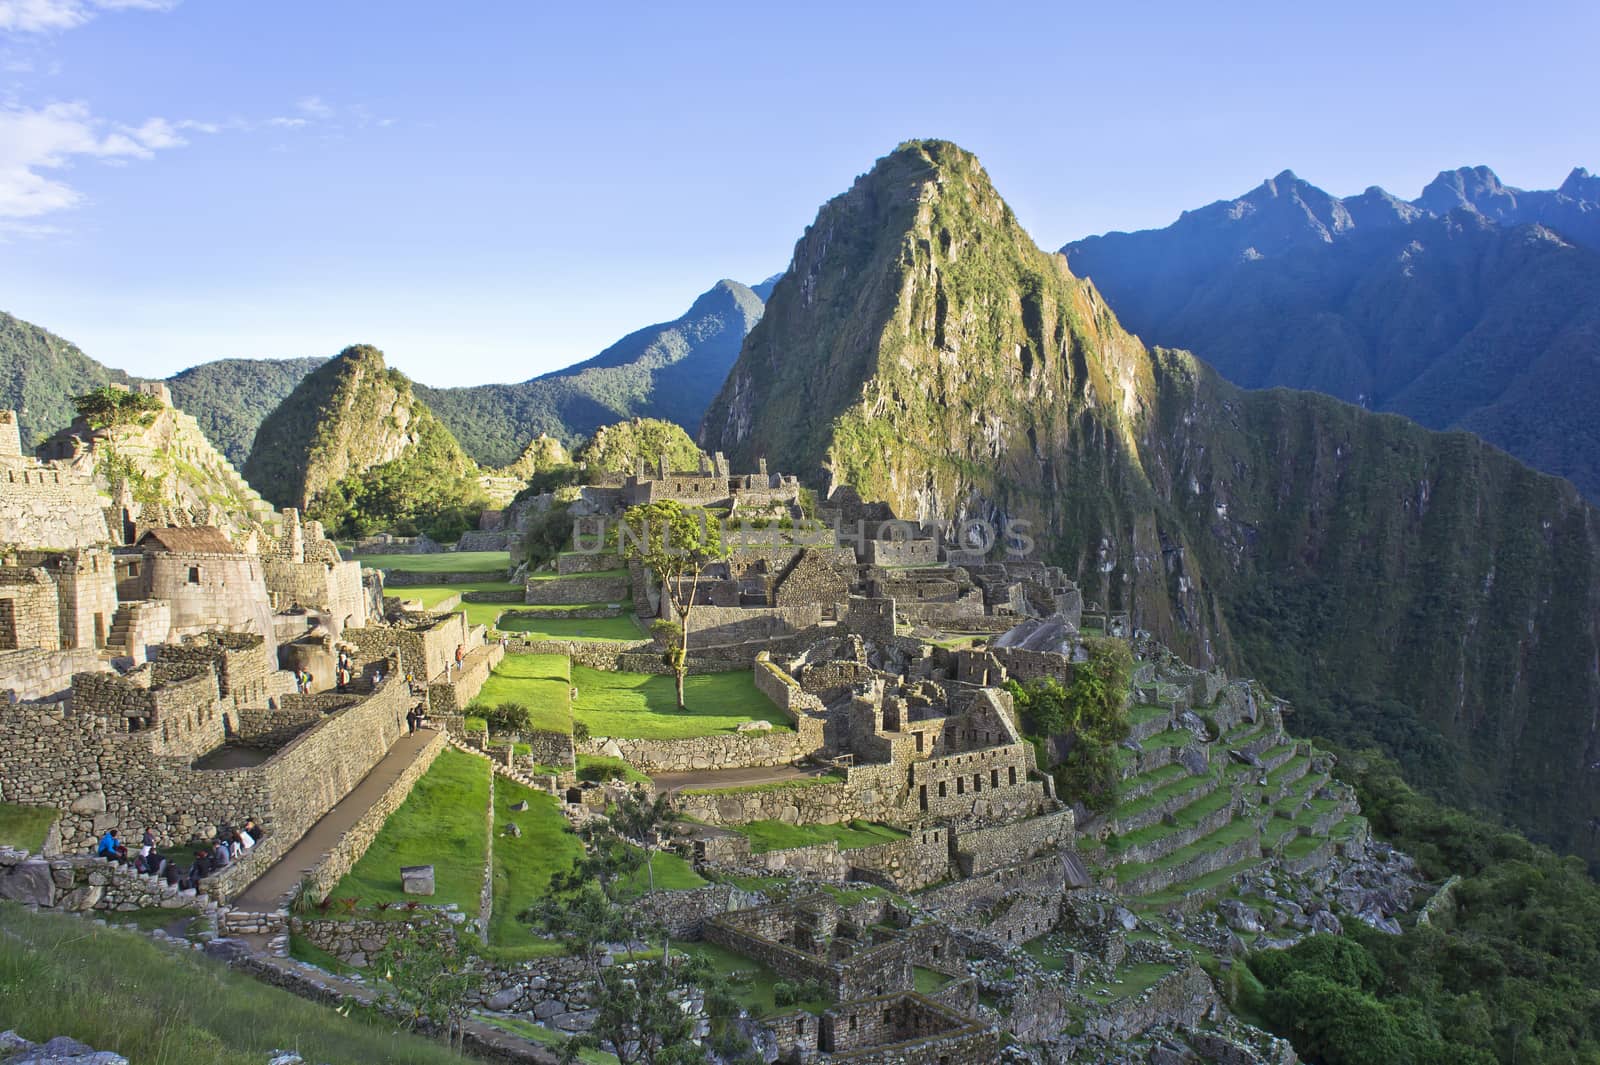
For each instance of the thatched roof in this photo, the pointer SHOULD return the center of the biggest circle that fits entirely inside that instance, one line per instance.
(190, 540)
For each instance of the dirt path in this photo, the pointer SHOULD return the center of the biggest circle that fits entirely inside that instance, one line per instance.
(732, 778)
(263, 895)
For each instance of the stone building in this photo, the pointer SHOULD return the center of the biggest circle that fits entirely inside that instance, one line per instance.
(47, 504)
(208, 584)
(304, 573)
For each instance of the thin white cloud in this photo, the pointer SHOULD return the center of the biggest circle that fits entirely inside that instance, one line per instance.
(282, 122)
(37, 144)
(314, 107)
(46, 16)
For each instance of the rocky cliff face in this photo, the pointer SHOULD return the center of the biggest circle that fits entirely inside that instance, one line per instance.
(351, 414)
(1418, 589)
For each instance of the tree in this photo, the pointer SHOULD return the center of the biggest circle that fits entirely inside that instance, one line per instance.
(676, 544)
(106, 407)
(427, 976)
(509, 717)
(639, 818)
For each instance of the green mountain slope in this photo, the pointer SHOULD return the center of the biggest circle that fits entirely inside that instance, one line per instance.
(348, 418)
(1421, 589)
(667, 371)
(229, 397)
(39, 375)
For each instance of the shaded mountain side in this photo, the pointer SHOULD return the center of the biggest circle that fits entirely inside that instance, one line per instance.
(349, 415)
(1420, 589)
(667, 371)
(230, 397)
(1476, 306)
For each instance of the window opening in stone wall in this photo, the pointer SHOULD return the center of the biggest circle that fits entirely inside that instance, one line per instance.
(194, 574)
(8, 625)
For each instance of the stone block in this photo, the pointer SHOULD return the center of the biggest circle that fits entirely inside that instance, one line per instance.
(416, 879)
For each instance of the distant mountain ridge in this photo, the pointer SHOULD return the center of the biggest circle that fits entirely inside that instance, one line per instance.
(1475, 306)
(669, 370)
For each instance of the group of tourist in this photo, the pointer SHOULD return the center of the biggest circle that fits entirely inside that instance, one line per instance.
(416, 718)
(222, 850)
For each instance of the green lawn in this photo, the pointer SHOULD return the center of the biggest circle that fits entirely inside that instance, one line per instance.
(25, 826)
(776, 835)
(621, 765)
(524, 865)
(173, 1007)
(1049, 960)
(539, 682)
(538, 1033)
(444, 562)
(751, 981)
(928, 980)
(645, 706)
(832, 776)
(622, 627)
(440, 824)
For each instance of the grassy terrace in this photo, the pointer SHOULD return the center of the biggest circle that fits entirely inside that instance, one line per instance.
(645, 706)
(542, 683)
(752, 982)
(1146, 712)
(538, 1033)
(431, 595)
(442, 562)
(1232, 832)
(622, 628)
(442, 824)
(1186, 818)
(25, 826)
(776, 835)
(172, 1007)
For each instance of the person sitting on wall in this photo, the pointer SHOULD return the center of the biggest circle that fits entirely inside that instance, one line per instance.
(219, 855)
(111, 847)
(249, 833)
(200, 869)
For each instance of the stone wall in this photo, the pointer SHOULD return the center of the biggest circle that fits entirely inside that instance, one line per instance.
(204, 592)
(30, 611)
(425, 644)
(265, 727)
(307, 777)
(587, 588)
(983, 850)
(406, 578)
(909, 864)
(550, 748)
(569, 563)
(51, 505)
(906, 1029)
(454, 695)
(40, 674)
(349, 848)
(722, 751)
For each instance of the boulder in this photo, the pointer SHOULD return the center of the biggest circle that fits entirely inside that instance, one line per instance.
(64, 1051)
(89, 803)
(514, 830)
(29, 883)
(520, 805)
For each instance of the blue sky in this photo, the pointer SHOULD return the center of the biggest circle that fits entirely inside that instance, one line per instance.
(491, 190)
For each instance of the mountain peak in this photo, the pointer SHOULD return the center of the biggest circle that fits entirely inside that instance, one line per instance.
(1581, 185)
(1474, 187)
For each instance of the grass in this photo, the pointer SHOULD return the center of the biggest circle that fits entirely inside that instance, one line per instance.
(538, 1033)
(1176, 893)
(603, 761)
(1185, 818)
(539, 682)
(1137, 978)
(1182, 782)
(621, 628)
(927, 981)
(25, 826)
(645, 706)
(1232, 832)
(443, 562)
(1049, 961)
(173, 1007)
(524, 865)
(149, 918)
(441, 824)
(776, 835)
(751, 981)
